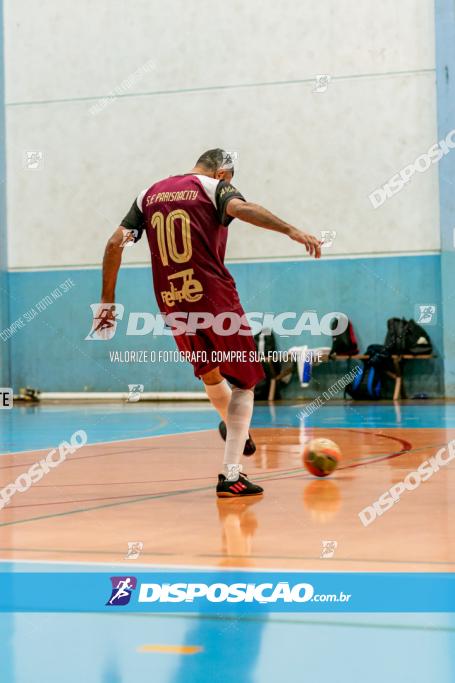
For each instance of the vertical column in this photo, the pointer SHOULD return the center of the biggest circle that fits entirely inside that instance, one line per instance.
(4, 299)
(445, 78)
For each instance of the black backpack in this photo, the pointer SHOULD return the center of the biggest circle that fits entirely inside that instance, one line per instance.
(406, 336)
(418, 341)
(368, 384)
(395, 340)
(344, 344)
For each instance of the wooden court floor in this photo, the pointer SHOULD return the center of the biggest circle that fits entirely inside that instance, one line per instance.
(160, 491)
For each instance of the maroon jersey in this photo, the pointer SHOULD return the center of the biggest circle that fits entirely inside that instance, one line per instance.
(186, 222)
(186, 225)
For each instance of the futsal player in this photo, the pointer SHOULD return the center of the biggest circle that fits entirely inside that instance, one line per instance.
(185, 218)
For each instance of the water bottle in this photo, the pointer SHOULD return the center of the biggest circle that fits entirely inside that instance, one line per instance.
(307, 367)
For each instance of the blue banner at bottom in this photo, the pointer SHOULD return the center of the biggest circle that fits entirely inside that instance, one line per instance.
(227, 592)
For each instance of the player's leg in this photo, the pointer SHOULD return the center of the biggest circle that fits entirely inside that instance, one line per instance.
(240, 412)
(218, 391)
(239, 407)
(235, 406)
(233, 482)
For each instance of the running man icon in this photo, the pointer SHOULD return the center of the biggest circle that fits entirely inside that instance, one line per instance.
(106, 318)
(122, 587)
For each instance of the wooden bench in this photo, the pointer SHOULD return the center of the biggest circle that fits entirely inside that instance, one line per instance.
(396, 374)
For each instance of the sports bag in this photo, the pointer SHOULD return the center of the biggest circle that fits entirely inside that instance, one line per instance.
(369, 382)
(406, 336)
(417, 340)
(345, 343)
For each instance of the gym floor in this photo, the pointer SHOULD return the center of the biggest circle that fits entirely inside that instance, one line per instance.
(156, 486)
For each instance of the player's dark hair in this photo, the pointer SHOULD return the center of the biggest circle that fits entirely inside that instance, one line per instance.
(212, 160)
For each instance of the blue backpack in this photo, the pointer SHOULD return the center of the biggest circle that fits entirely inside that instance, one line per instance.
(369, 382)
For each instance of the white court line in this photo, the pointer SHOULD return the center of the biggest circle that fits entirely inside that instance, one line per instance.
(179, 567)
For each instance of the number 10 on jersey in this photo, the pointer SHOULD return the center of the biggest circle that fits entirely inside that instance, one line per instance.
(165, 232)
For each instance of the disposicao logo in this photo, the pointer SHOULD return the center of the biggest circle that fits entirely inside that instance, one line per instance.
(200, 593)
(221, 592)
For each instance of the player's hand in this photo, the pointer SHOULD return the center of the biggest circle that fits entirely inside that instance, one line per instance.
(311, 243)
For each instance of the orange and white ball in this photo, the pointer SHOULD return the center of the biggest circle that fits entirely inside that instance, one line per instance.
(321, 457)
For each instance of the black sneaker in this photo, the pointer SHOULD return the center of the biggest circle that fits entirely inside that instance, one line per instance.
(250, 446)
(240, 487)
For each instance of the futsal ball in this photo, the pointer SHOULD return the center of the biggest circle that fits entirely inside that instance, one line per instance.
(321, 457)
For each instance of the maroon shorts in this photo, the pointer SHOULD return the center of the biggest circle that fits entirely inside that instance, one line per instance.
(233, 355)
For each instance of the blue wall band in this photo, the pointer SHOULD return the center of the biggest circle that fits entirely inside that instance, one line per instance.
(368, 290)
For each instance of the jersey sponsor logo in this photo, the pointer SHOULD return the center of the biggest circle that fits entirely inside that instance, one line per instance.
(228, 189)
(191, 289)
(181, 195)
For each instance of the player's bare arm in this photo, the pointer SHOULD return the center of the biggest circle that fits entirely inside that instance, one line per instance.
(258, 215)
(111, 264)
